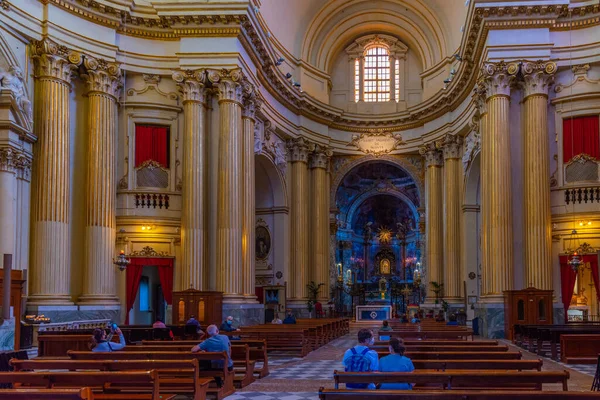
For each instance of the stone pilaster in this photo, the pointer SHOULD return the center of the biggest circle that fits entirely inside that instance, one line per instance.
(453, 271)
(496, 190)
(193, 271)
(8, 207)
(50, 205)
(104, 84)
(434, 216)
(251, 105)
(299, 269)
(229, 188)
(537, 77)
(319, 206)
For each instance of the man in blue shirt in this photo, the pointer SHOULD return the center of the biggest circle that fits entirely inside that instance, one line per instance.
(452, 320)
(361, 358)
(216, 343)
(290, 319)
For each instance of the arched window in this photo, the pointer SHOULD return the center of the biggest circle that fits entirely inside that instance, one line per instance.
(377, 74)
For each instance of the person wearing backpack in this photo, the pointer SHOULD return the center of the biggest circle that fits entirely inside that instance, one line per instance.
(361, 358)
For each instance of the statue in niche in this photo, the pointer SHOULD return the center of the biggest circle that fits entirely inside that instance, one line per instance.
(384, 267)
(13, 80)
(263, 243)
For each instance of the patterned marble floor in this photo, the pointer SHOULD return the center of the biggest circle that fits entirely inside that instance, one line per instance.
(273, 396)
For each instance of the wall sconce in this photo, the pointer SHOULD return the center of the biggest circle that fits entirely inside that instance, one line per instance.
(585, 223)
(148, 227)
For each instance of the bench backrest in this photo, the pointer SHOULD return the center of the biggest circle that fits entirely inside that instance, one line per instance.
(103, 365)
(519, 365)
(333, 394)
(47, 394)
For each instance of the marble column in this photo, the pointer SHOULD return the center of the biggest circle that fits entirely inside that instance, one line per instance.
(453, 271)
(496, 190)
(251, 105)
(319, 217)
(50, 206)
(229, 186)
(104, 84)
(299, 226)
(434, 217)
(537, 78)
(193, 228)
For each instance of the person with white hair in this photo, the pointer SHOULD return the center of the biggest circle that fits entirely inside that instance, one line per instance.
(227, 325)
(216, 343)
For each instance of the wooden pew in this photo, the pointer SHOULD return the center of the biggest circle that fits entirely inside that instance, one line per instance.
(46, 394)
(466, 349)
(340, 394)
(174, 375)
(459, 379)
(579, 349)
(103, 382)
(57, 345)
(518, 365)
(421, 355)
(258, 351)
(431, 342)
(449, 334)
(226, 389)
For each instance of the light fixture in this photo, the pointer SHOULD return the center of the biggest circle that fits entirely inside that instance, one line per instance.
(147, 227)
(279, 61)
(122, 261)
(447, 80)
(585, 222)
(457, 57)
(574, 260)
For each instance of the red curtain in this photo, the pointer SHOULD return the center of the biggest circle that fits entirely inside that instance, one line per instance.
(567, 282)
(152, 143)
(593, 260)
(581, 135)
(134, 275)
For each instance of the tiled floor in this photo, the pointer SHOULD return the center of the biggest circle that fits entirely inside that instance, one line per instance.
(274, 396)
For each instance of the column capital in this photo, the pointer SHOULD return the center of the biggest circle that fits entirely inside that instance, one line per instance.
(497, 78)
(450, 145)
(433, 156)
(103, 76)
(299, 149)
(250, 101)
(192, 85)
(51, 60)
(538, 76)
(228, 83)
(479, 97)
(15, 161)
(320, 157)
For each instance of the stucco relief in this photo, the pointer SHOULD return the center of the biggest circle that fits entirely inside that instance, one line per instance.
(12, 79)
(271, 145)
(471, 145)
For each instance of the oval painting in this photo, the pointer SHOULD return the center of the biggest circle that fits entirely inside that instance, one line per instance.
(263, 243)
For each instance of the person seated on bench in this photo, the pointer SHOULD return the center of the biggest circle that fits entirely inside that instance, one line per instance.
(290, 319)
(361, 358)
(404, 319)
(194, 322)
(100, 342)
(215, 343)
(158, 324)
(227, 325)
(452, 321)
(385, 328)
(396, 362)
(440, 317)
(276, 320)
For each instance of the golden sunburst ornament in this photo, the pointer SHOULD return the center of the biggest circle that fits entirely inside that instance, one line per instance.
(384, 235)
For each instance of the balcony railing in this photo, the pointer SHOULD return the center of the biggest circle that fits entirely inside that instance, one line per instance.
(582, 195)
(151, 200)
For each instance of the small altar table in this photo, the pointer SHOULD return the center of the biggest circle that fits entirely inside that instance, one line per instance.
(373, 313)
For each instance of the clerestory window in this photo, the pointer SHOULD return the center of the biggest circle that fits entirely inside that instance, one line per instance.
(377, 74)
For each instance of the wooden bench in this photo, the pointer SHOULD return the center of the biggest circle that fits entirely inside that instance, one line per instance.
(226, 377)
(47, 394)
(258, 351)
(518, 365)
(579, 349)
(340, 394)
(431, 342)
(424, 335)
(466, 349)
(421, 355)
(174, 375)
(104, 384)
(459, 379)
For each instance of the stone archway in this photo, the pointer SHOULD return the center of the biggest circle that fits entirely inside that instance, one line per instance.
(472, 229)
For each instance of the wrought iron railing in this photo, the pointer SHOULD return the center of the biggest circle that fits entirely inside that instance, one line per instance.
(582, 195)
(151, 200)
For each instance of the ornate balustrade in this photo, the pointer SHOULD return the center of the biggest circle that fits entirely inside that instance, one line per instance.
(582, 195)
(151, 200)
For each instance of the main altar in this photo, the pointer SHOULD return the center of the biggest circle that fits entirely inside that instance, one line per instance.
(373, 313)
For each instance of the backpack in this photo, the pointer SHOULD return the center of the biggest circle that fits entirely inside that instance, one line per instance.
(358, 362)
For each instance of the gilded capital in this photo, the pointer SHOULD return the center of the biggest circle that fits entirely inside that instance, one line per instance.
(299, 149)
(497, 78)
(103, 76)
(450, 145)
(320, 157)
(51, 60)
(433, 156)
(538, 76)
(228, 83)
(192, 85)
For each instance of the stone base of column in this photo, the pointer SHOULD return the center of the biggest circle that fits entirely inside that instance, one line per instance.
(98, 299)
(245, 314)
(251, 299)
(492, 298)
(455, 300)
(47, 300)
(491, 319)
(72, 313)
(233, 298)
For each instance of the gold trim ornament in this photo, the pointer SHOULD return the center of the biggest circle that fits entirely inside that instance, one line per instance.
(378, 143)
(384, 235)
(148, 251)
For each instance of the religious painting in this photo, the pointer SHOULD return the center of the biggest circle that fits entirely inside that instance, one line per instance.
(263, 242)
(384, 267)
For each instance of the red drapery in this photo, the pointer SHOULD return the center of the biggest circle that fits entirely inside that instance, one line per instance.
(134, 275)
(581, 135)
(152, 143)
(567, 277)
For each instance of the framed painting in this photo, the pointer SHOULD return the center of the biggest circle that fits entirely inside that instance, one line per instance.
(263, 242)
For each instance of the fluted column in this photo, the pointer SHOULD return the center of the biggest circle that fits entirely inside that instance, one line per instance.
(453, 271)
(299, 269)
(193, 229)
(496, 190)
(50, 206)
(104, 86)
(251, 105)
(537, 76)
(8, 195)
(229, 186)
(319, 217)
(434, 216)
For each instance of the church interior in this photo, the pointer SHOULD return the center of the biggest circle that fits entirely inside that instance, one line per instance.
(292, 175)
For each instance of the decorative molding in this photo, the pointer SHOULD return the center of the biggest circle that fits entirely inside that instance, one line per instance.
(4, 5)
(148, 251)
(377, 143)
(433, 156)
(580, 73)
(537, 77)
(53, 60)
(228, 83)
(498, 78)
(320, 157)
(472, 144)
(151, 164)
(192, 85)
(15, 161)
(299, 149)
(102, 76)
(451, 146)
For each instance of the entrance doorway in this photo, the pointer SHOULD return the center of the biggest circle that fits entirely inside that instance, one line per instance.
(149, 304)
